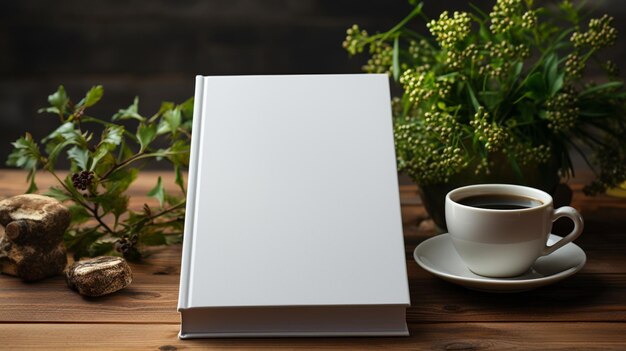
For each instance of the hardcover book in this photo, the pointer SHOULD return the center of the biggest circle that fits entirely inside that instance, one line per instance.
(293, 223)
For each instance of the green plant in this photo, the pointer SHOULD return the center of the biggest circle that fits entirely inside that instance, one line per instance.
(508, 85)
(102, 169)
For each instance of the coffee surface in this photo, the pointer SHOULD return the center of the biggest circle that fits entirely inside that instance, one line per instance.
(500, 201)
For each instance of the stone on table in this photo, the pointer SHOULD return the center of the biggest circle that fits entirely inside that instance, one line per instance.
(99, 276)
(32, 245)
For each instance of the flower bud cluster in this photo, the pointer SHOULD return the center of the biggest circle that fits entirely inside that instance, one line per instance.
(562, 111)
(457, 59)
(505, 15)
(354, 39)
(600, 34)
(423, 155)
(525, 153)
(503, 55)
(450, 30)
(574, 66)
(492, 135)
(416, 86)
(381, 59)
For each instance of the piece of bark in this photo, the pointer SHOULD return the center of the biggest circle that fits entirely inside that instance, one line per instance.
(32, 245)
(99, 276)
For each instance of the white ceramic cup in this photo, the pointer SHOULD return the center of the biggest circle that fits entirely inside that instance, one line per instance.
(505, 243)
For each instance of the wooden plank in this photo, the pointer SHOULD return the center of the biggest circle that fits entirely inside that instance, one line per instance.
(437, 336)
(152, 298)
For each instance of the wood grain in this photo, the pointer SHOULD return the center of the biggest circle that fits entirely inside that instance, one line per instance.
(435, 336)
(586, 311)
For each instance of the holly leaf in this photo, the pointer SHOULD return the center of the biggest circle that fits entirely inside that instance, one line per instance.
(179, 179)
(25, 153)
(146, 134)
(170, 122)
(92, 97)
(78, 213)
(153, 239)
(111, 137)
(131, 112)
(186, 109)
(158, 192)
(119, 205)
(59, 101)
(65, 131)
(119, 180)
(58, 194)
(79, 156)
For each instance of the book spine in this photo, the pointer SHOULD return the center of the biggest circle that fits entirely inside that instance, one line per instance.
(189, 230)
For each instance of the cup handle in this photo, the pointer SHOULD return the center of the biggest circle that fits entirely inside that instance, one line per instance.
(572, 214)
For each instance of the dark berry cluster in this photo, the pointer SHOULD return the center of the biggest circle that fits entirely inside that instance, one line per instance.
(82, 180)
(126, 244)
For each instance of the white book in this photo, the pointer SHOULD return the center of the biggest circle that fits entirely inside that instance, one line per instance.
(293, 224)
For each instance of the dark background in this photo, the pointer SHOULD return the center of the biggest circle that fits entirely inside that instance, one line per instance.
(153, 49)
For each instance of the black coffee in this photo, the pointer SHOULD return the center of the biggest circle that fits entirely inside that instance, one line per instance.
(500, 201)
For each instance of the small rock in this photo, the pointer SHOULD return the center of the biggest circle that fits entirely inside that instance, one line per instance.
(32, 245)
(99, 276)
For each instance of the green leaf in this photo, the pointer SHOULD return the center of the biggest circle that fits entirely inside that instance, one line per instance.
(186, 109)
(93, 96)
(99, 154)
(179, 152)
(119, 205)
(165, 106)
(112, 135)
(65, 131)
(145, 135)
(52, 110)
(550, 68)
(158, 192)
(396, 58)
(79, 156)
(172, 239)
(32, 186)
(473, 97)
(57, 193)
(609, 85)
(536, 86)
(516, 169)
(153, 239)
(25, 154)
(131, 112)
(55, 151)
(78, 214)
(173, 118)
(100, 248)
(179, 179)
(491, 99)
(79, 241)
(170, 122)
(119, 180)
(557, 84)
(59, 100)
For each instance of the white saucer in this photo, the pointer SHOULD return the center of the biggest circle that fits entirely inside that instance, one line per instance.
(438, 256)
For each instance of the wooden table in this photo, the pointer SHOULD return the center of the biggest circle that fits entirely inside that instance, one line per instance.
(586, 311)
